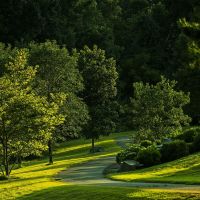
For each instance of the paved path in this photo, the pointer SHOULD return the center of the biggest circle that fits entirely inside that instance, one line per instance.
(91, 173)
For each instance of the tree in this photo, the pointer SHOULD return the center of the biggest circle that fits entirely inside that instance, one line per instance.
(26, 119)
(99, 75)
(58, 72)
(158, 109)
(73, 22)
(188, 58)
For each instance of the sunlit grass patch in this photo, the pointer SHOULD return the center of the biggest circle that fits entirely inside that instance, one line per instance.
(36, 180)
(185, 170)
(37, 175)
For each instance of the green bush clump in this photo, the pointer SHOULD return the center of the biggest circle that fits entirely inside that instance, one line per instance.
(188, 135)
(196, 143)
(174, 150)
(191, 147)
(128, 154)
(146, 143)
(158, 142)
(149, 156)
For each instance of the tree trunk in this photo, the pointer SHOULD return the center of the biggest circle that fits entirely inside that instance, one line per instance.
(50, 141)
(93, 145)
(19, 161)
(50, 152)
(6, 163)
(5, 151)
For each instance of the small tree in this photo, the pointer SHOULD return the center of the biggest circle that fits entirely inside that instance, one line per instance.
(99, 74)
(158, 109)
(26, 119)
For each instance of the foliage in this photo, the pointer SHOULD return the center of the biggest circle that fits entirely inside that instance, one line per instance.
(188, 72)
(158, 109)
(6, 51)
(191, 148)
(174, 150)
(146, 143)
(58, 72)
(149, 156)
(132, 31)
(26, 119)
(99, 75)
(129, 153)
(188, 135)
(196, 142)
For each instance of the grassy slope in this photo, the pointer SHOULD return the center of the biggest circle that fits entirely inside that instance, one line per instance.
(36, 179)
(185, 170)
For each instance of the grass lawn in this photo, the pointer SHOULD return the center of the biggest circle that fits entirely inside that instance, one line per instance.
(36, 180)
(185, 170)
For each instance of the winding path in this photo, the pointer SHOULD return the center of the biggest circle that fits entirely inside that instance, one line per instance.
(91, 173)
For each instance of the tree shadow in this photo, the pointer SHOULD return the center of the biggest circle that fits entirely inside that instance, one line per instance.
(79, 193)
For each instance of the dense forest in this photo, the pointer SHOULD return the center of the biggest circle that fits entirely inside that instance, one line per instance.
(126, 40)
(147, 38)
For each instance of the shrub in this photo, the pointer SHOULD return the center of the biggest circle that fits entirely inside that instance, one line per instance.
(188, 135)
(158, 142)
(191, 147)
(146, 143)
(128, 154)
(149, 156)
(174, 150)
(196, 143)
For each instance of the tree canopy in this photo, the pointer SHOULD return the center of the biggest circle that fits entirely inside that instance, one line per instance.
(99, 75)
(26, 119)
(158, 109)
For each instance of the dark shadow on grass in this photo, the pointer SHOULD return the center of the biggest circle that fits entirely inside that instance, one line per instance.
(20, 180)
(79, 193)
(74, 192)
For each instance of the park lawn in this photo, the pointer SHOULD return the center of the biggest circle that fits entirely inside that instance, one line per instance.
(185, 170)
(108, 193)
(36, 180)
(37, 175)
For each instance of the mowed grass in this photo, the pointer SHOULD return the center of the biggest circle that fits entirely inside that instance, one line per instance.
(36, 180)
(185, 170)
(37, 175)
(108, 193)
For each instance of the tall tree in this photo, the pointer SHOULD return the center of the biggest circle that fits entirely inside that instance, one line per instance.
(188, 57)
(73, 22)
(58, 72)
(147, 44)
(100, 76)
(26, 119)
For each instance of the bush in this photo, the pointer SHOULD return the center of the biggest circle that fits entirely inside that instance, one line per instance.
(158, 142)
(149, 156)
(146, 143)
(191, 147)
(174, 150)
(188, 135)
(128, 154)
(196, 143)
